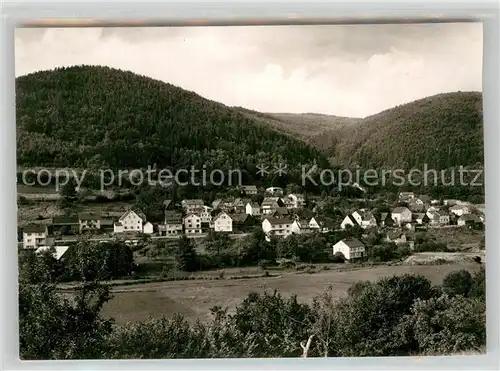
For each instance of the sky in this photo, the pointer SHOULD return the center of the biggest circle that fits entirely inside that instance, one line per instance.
(343, 70)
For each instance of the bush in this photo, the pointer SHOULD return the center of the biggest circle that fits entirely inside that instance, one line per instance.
(457, 283)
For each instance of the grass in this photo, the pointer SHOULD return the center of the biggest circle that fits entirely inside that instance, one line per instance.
(195, 297)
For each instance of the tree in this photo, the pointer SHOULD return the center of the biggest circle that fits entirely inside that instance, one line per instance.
(186, 257)
(458, 283)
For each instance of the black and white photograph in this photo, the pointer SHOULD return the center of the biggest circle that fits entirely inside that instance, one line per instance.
(292, 191)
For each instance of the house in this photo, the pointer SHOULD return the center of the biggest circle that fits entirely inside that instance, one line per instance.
(173, 223)
(216, 204)
(364, 218)
(384, 219)
(242, 222)
(206, 215)
(351, 248)
(148, 228)
(438, 218)
(58, 253)
(223, 222)
(401, 215)
(252, 208)
(89, 221)
(469, 220)
(450, 202)
(348, 221)
(107, 225)
(192, 224)
(424, 199)
(397, 237)
(420, 218)
(416, 205)
(301, 227)
(192, 206)
(275, 191)
(298, 200)
(248, 190)
(270, 205)
(35, 236)
(320, 224)
(459, 210)
(406, 196)
(277, 227)
(239, 205)
(65, 224)
(281, 212)
(288, 202)
(130, 221)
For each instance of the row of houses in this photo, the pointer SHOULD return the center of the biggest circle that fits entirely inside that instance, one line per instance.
(434, 216)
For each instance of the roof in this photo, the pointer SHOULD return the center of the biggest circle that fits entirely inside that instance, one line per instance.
(400, 209)
(406, 194)
(106, 221)
(254, 205)
(425, 198)
(220, 214)
(351, 218)
(138, 213)
(279, 220)
(457, 207)
(34, 229)
(60, 250)
(270, 200)
(167, 203)
(190, 215)
(239, 217)
(282, 210)
(383, 216)
(118, 224)
(65, 220)
(416, 216)
(352, 242)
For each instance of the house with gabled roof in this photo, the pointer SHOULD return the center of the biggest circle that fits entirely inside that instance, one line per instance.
(89, 221)
(223, 222)
(253, 208)
(320, 224)
(270, 205)
(281, 227)
(469, 220)
(172, 225)
(35, 236)
(192, 224)
(130, 221)
(192, 205)
(301, 227)
(351, 248)
(460, 210)
(401, 215)
(248, 190)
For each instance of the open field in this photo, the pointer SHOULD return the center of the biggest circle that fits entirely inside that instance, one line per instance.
(194, 298)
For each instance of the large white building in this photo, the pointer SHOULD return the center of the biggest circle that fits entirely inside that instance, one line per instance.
(35, 236)
(351, 248)
(223, 223)
(401, 215)
(277, 227)
(130, 221)
(192, 224)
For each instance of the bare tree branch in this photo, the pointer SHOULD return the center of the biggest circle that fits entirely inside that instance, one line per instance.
(305, 348)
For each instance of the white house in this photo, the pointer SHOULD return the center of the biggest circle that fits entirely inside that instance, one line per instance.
(148, 228)
(348, 221)
(248, 189)
(364, 218)
(298, 200)
(206, 215)
(438, 218)
(275, 191)
(35, 236)
(288, 202)
(252, 208)
(173, 223)
(320, 224)
(223, 223)
(130, 221)
(401, 215)
(277, 227)
(192, 224)
(468, 219)
(301, 227)
(192, 206)
(270, 205)
(460, 210)
(351, 248)
(89, 221)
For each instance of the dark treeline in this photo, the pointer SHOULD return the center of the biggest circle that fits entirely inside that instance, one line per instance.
(400, 315)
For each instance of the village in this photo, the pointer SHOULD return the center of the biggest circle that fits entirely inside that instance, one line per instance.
(279, 215)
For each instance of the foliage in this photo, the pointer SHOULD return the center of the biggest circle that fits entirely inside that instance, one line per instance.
(458, 283)
(186, 258)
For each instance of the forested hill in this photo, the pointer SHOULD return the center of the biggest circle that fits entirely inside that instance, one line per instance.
(443, 131)
(90, 116)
